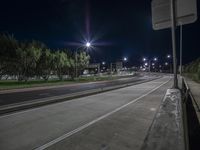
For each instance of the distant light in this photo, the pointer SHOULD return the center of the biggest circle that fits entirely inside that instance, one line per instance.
(88, 44)
(155, 59)
(125, 58)
(166, 64)
(146, 64)
(103, 63)
(153, 64)
(168, 56)
(144, 59)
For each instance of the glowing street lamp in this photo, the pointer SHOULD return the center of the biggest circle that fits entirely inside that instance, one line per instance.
(155, 59)
(88, 44)
(168, 56)
(125, 59)
(103, 63)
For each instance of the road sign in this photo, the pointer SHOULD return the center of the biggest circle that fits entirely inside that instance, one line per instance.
(186, 13)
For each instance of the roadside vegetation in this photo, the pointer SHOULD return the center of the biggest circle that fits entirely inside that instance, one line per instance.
(26, 60)
(26, 64)
(192, 70)
(13, 84)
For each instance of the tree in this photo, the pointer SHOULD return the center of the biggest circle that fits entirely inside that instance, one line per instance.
(45, 64)
(28, 56)
(82, 61)
(8, 46)
(62, 63)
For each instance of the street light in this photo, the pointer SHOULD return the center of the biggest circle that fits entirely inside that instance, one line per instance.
(88, 44)
(103, 63)
(170, 65)
(168, 56)
(149, 62)
(125, 59)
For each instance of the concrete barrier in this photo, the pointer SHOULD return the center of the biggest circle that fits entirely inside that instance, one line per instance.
(167, 129)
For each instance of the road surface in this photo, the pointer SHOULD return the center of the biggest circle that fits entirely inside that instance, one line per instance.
(25, 96)
(114, 120)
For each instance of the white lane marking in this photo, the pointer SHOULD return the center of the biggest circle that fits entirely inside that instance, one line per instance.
(33, 109)
(96, 120)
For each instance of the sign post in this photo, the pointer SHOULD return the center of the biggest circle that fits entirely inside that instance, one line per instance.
(172, 13)
(173, 26)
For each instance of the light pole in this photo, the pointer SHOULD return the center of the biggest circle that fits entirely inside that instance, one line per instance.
(170, 64)
(125, 59)
(88, 44)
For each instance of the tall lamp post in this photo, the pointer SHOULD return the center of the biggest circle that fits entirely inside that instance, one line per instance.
(170, 64)
(125, 59)
(87, 45)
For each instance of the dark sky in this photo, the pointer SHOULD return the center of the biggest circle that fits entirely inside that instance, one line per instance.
(117, 28)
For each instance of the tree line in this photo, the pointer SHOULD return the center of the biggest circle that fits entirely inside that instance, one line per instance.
(193, 69)
(28, 59)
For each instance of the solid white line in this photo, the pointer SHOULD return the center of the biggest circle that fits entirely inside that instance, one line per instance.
(96, 120)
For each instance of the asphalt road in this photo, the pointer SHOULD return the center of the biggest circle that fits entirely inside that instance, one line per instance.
(114, 120)
(24, 96)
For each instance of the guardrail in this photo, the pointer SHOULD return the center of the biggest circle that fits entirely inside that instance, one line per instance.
(191, 122)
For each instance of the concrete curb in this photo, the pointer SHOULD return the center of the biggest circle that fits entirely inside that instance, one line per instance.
(50, 100)
(167, 129)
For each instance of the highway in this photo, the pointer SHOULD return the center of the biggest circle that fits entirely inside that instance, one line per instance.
(113, 120)
(18, 96)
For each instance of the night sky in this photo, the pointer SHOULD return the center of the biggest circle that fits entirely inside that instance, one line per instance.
(117, 28)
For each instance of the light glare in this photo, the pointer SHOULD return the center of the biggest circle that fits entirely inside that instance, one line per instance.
(88, 44)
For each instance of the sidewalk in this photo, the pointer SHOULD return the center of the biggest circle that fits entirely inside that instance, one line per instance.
(195, 90)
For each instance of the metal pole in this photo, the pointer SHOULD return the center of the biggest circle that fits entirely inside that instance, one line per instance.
(76, 63)
(99, 69)
(181, 47)
(149, 65)
(173, 26)
(111, 70)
